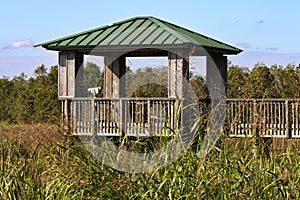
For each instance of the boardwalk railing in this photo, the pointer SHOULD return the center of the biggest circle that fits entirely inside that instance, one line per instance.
(155, 116)
(266, 117)
(130, 116)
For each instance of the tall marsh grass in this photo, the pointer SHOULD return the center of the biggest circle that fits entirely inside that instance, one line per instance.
(66, 170)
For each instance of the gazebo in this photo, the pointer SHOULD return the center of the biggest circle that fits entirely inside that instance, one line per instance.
(115, 114)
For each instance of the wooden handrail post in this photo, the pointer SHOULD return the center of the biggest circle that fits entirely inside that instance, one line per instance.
(255, 117)
(149, 113)
(73, 114)
(121, 115)
(63, 120)
(66, 115)
(93, 117)
(178, 114)
(287, 119)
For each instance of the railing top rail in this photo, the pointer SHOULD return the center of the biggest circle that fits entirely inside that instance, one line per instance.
(265, 100)
(117, 99)
(173, 99)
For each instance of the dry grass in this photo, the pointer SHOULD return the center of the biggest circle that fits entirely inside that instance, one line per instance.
(38, 162)
(32, 135)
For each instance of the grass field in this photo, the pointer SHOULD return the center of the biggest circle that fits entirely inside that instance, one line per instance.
(38, 162)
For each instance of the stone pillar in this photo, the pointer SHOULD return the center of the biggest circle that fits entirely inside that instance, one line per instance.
(178, 72)
(114, 86)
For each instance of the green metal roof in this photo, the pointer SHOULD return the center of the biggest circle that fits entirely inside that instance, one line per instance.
(144, 31)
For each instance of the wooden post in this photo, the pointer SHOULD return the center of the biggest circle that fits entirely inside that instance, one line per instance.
(255, 117)
(114, 84)
(122, 121)
(66, 116)
(287, 119)
(62, 74)
(178, 87)
(92, 110)
(70, 69)
(216, 75)
(178, 72)
(79, 62)
(149, 113)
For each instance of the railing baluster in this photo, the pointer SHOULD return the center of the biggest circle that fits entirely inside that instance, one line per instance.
(149, 114)
(296, 119)
(287, 118)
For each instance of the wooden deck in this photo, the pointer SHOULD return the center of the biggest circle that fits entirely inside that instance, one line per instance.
(146, 117)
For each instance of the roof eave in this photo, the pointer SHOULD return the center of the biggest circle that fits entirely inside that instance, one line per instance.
(125, 49)
(223, 51)
(115, 47)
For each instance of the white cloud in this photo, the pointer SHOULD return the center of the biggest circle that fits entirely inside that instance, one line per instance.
(271, 49)
(18, 44)
(21, 43)
(243, 45)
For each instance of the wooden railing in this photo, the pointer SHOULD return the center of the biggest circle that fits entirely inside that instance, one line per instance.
(155, 116)
(266, 117)
(130, 116)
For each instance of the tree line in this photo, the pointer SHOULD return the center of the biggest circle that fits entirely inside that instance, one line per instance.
(31, 99)
(263, 82)
(34, 99)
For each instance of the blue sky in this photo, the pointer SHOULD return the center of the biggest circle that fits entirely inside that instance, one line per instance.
(267, 31)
